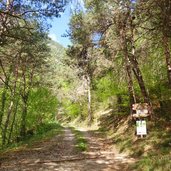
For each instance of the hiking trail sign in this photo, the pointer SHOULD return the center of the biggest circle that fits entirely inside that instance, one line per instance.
(141, 127)
(141, 110)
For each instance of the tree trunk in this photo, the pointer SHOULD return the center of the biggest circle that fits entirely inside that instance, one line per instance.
(17, 97)
(119, 103)
(13, 94)
(6, 86)
(25, 95)
(23, 119)
(167, 57)
(131, 90)
(13, 120)
(90, 115)
(24, 110)
(135, 65)
(128, 69)
(3, 102)
(7, 122)
(139, 77)
(129, 76)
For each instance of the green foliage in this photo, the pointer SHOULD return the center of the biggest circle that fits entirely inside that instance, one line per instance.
(42, 132)
(24, 63)
(46, 127)
(81, 142)
(158, 163)
(23, 102)
(105, 87)
(42, 106)
(72, 109)
(38, 76)
(109, 94)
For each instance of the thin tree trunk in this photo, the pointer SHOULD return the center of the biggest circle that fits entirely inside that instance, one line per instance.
(131, 90)
(90, 115)
(23, 119)
(131, 62)
(13, 93)
(129, 76)
(135, 65)
(119, 102)
(6, 86)
(139, 77)
(3, 102)
(7, 122)
(25, 96)
(16, 106)
(13, 121)
(167, 57)
(24, 110)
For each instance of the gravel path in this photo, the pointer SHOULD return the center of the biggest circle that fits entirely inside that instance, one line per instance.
(60, 154)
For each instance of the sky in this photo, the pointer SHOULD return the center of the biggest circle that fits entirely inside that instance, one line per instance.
(60, 25)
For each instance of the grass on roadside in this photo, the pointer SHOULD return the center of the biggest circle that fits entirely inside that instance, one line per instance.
(153, 152)
(43, 132)
(81, 142)
(151, 163)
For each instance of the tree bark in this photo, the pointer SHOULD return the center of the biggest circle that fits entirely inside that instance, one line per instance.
(3, 102)
(135, 65)
(90, 115)
(25, 95)
(7, 122)
(128, 69)
(129, 74)
(13, 120)
(139, 77)
(23, 119)
(167, 57)
(6, 86)
(13, 96)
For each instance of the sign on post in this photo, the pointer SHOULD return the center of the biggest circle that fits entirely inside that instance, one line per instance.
(141, 127)
(141, 110)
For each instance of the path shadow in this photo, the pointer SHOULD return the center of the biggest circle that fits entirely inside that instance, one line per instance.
(60, 154)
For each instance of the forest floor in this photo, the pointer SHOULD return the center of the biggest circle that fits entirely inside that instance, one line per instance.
(60, 154)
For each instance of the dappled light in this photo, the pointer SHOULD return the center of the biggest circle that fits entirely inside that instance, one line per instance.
(60, 153)
(85, 85)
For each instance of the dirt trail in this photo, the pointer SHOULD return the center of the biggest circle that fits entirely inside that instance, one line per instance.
(107, 157)
(60, 154)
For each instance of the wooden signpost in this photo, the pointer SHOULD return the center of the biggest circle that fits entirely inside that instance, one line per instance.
(140, 112)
